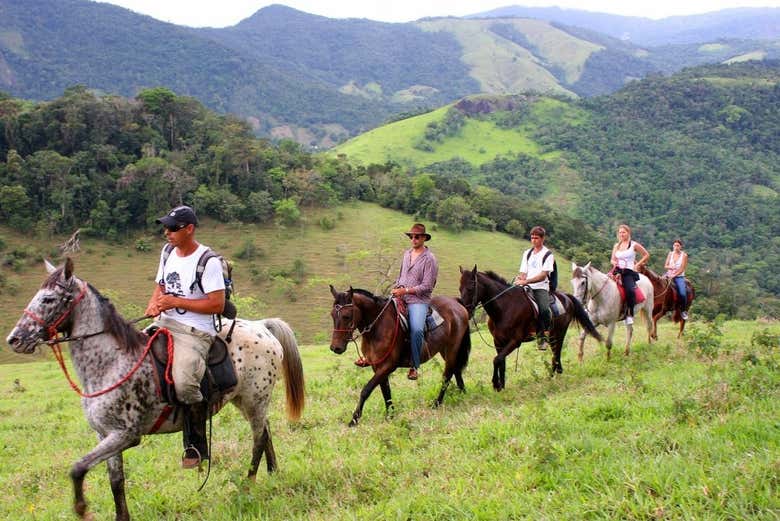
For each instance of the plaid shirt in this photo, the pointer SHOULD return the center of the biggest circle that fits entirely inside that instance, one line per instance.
(419, 276)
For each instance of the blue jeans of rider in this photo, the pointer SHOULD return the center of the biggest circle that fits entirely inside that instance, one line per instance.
(417, 314)
(679, 283)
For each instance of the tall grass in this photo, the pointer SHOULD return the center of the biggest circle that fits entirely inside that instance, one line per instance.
(665, 433)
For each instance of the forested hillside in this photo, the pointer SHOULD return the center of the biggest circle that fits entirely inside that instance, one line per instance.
(318, 80)
(693, 156)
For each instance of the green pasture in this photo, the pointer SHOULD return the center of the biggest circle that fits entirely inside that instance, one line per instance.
(478, 141)
(676, 431)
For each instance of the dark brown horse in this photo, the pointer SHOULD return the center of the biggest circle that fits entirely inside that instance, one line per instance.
(511, 317)
(385, 345)
(666, 299)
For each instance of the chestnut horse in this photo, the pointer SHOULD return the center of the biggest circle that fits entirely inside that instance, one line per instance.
(511, 317)
(666, 299)
(386, 347)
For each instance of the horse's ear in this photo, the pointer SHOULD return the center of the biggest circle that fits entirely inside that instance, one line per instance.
(460, 268)
(333, 291)
(50, 268)
(68, 271)
(586, 266)
(573, 267)
(474, 271)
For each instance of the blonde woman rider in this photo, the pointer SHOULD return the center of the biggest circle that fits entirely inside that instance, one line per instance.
(625, 265)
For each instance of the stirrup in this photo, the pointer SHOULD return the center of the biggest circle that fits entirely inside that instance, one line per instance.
(188, 461)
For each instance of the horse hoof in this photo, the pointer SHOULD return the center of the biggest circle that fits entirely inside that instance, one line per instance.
(559, 370)
(353, 422)
(435, 404)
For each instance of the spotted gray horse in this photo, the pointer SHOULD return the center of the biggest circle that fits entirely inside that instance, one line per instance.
(120, 397)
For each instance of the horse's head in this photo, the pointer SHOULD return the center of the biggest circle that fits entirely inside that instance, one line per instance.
(468, 289)
(49, 311)
(344, 315)
(580, 280)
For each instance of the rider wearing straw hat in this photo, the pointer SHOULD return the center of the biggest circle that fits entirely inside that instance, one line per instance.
(419, 269)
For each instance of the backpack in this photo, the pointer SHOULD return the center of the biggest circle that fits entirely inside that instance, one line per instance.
(552, 277)
(227, 274)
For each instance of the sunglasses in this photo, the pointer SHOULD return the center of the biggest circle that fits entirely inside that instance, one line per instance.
(175, 228)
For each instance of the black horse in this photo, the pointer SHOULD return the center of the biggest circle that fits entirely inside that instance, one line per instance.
(511, 317)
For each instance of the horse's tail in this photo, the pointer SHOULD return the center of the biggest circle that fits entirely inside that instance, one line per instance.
(291, 365)
(464, 351)
(581, 315)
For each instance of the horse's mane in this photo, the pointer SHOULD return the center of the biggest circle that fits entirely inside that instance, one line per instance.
(496, 277)
(128, 337)
(366, 293)
(650, 273)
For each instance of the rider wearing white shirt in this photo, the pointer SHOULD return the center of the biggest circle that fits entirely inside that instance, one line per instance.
(535, 272)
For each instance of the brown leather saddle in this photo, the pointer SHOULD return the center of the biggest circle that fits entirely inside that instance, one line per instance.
(218, 380)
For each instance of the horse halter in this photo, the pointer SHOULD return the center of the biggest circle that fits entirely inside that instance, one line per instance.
(337, 308)
(53, 329)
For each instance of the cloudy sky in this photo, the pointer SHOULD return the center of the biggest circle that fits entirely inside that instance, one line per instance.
(221, 13)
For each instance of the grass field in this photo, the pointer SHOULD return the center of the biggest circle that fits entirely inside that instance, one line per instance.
(667, 433)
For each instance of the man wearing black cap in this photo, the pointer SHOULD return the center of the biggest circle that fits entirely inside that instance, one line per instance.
(185, 309)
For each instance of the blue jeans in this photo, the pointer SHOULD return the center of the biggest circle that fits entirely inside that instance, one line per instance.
(417, 314)
(682, 294)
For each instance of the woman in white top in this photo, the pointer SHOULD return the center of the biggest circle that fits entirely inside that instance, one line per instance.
(625, 264)
(675, 265)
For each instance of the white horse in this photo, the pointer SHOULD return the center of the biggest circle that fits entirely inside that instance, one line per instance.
(601, 296)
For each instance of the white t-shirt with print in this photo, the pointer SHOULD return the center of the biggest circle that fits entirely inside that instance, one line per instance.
(177, 276)
(533, 266)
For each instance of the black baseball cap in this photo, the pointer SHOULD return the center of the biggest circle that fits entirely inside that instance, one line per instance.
(179, 217)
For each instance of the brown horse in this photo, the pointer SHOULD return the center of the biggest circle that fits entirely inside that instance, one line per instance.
(511, 317)
(385, 345)
(666, 299)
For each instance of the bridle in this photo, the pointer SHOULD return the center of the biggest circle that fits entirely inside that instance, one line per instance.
(52, 330)
(587, 298)
(353, 327)
(471, 308)
(53, 341)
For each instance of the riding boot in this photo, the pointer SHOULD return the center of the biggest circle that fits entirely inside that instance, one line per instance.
(543, 340)
(195, 443)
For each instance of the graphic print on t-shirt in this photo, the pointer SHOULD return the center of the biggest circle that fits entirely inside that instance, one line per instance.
(173, 284)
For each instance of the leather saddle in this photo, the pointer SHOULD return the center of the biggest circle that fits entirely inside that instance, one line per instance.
(432, 320)
(218, 380)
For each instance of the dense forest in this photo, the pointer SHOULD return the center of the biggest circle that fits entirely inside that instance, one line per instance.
(110, 166)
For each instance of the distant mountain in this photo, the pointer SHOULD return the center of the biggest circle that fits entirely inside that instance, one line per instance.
(319, 80)
(743, 23)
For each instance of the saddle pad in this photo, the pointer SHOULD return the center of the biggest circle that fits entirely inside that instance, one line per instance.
(556, 304)
(220, 376)
(432, 321)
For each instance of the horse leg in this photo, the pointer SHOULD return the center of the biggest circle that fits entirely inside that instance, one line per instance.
(610, 334)
(656, 318)
(499, 367)
(581, 346)
(557, 347)
(459, 380)
(384, 385)
(262, 444)
(365, 393)
(110, 446)
(116, 476)
(629, 334)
